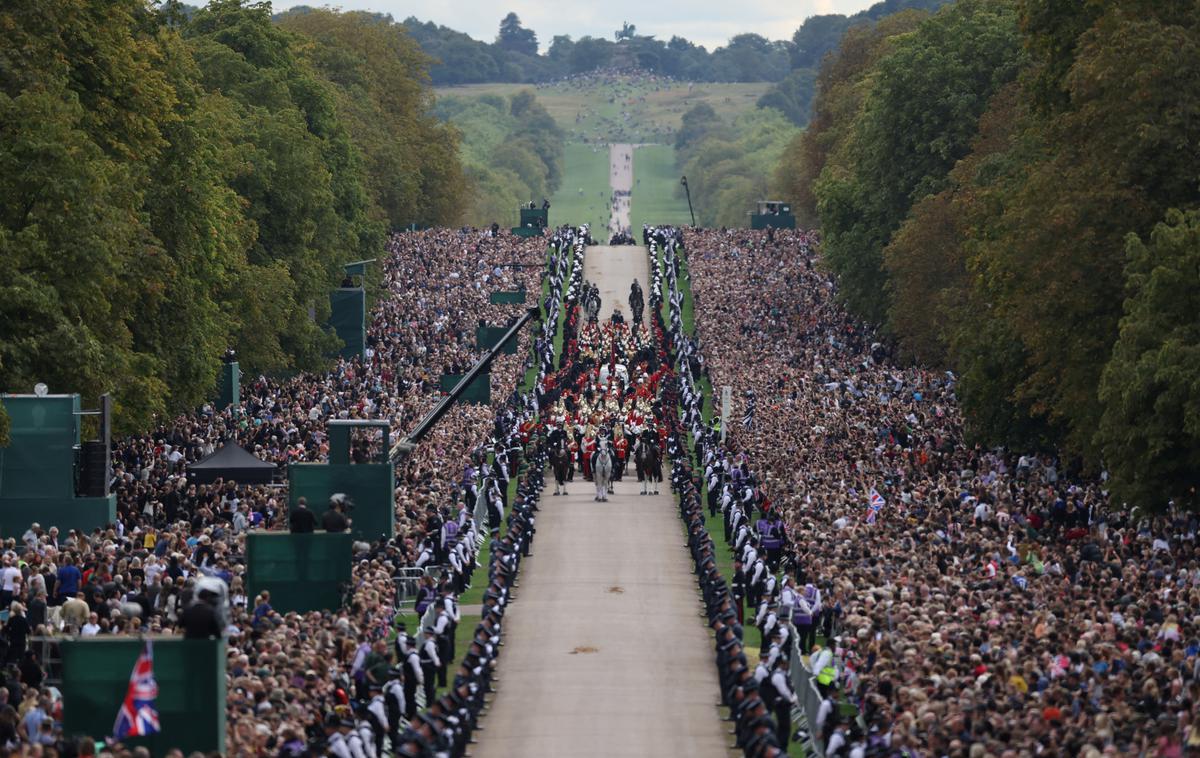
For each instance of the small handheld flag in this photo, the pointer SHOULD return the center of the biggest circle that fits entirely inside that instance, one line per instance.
(877, 503)
(138, 717)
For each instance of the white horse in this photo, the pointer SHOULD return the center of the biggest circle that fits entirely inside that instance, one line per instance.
(602, 469)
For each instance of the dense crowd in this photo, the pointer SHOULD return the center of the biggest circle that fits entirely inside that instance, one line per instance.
(289, 677)
(980, 601)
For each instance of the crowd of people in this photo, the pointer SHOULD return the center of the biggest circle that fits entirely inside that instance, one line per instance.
(295, 681)
(980, 601)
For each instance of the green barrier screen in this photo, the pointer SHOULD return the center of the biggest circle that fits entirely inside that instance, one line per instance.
(479, 391)
(37, 469)
(303, 572)
(505, 297)
(348, 317)
(229, 381)
(777, 221)
(39, 461)
(370, 486)
(191, 690)
(486, 338)
(535, 217)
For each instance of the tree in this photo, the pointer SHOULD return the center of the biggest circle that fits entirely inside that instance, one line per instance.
(1114, 162)
(590, 54)
(697, 122)
(376, 73)
(792, 96)
(919, 119)
(1150, 429)
(514, 38)
(842, 85)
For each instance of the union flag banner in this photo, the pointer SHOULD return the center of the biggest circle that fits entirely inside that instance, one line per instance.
(138, 716)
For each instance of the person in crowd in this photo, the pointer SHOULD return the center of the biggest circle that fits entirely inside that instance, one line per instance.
(171, 533)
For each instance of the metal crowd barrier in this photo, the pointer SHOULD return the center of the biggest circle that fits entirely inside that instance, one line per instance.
(408, 582)
(804, 682)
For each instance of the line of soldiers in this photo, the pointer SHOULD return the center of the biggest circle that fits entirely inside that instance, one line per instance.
(760, 698)
(445, 727)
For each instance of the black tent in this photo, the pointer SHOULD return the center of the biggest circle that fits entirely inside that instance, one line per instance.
(231, 462)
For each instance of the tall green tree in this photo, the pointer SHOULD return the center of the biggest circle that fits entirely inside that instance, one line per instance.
(1113, 162)
(919, 119)
(304, 181)
(1149, 433)
(515, 38)
(378, 78)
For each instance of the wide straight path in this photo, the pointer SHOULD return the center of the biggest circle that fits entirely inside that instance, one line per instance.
(620, 178)
(612, 269)
(605, 650)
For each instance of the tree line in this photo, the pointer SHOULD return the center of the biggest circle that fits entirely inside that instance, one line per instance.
(1009, 188)
(512, 153)
(729, 162)
(175, 182)
(516, 55)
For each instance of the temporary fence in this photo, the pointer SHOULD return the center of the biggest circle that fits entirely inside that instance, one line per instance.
(804, 682)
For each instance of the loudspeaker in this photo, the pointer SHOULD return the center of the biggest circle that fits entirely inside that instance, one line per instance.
(93, 469)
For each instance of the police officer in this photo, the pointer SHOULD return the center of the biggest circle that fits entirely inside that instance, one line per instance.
(431, 664)
(780, 697)
(414, 677)
(376, 715)
(361, 738)
(336, 729)
(394, 702)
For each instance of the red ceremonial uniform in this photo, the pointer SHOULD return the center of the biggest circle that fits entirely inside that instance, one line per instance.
(589, 447)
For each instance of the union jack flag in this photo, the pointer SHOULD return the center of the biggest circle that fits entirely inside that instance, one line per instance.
(138, 716)
(877, 503)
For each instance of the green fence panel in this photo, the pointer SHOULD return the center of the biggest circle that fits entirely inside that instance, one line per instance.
(370, 486)
(303, 572)
(776, 221)
(348, 317)
(229, 385)
(191, 690)
(478, 391)
(507, 297)
(37, 469)
(486, 338)
(39, 461)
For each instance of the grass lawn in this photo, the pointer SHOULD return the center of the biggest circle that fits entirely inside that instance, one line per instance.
(655, 183)
(624, 111)
(583, 196)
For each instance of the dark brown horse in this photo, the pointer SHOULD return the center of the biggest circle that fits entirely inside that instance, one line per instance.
(647, 456)
(560, 461)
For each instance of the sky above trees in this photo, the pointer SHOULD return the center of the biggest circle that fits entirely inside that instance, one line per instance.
(705, 22)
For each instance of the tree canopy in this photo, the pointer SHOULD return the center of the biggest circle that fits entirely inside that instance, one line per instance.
(990, 181)
(175, 182)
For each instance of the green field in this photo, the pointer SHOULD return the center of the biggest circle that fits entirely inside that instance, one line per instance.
(655, 182)
(624, 110)
(621, 110)
(586, 169)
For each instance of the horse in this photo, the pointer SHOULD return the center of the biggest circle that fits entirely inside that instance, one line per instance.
(560, 461)
(602, 467)
(648, 459)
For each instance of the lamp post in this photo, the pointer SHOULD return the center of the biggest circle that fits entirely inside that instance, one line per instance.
(688, 192)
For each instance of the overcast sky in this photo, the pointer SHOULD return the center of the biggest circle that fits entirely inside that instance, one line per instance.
(706, 22)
